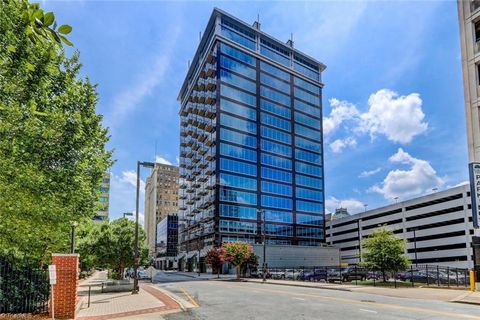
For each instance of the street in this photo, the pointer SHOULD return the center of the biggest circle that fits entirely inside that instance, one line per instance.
(244, 300)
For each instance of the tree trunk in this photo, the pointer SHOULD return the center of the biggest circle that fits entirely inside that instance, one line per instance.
(384, 276)
(238, 272)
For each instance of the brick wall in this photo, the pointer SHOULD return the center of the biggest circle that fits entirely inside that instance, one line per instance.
(65, 290)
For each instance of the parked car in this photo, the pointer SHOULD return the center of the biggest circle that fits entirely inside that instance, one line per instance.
(417, 276)
(313, 275)
(354, 273)
(142, 275)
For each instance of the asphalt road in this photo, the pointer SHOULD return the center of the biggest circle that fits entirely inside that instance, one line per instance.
(244, 301)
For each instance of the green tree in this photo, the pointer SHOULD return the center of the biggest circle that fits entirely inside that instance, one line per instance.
(111, 244)
(384, 252)
(238, 254)
(52, 143)
(216, 257)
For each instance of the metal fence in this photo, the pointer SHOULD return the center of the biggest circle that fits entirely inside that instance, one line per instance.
(23, 289)
(421, 275)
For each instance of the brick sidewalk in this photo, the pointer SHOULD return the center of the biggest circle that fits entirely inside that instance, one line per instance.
(149, 300)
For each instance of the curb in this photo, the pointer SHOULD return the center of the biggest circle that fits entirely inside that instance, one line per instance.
(466, 302)
(299, 285)
(184, 305)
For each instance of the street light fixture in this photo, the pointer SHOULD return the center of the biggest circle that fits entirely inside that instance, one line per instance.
(72, 248)
(127, 214)
(264, 273)
(136, 259)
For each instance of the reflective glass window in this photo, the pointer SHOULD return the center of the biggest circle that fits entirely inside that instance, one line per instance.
(308, 232)
(238, 95)
(308, 144)
(274, 174)
(278, 230)
(238, 123)
(309, 206)
(231, 211)
(238, 182)
(307, 96)
(238, 167)
(238, 67)
(238, 226)
(237, 37)
(238, 109)
(276, 202)
(278, 242)
(308, 156)
(276, 188)
(309, 194)
(309, 219)
(308, 181)
(273, 121)
(275, 161)
(274, 55)
(236, 196)
(276, 135)
(307, 132)
(275, 83)
(275, 71)
(237, 137)
(278, 216)
(275, 95)
(306, 120)
(238, 152)
(240, 55)
(276, 109)
(309, 243)
(277, 148)
(305, 107)
(237, 81)
(237, 239)
(306, 71)
(308, 169)
(306, 85)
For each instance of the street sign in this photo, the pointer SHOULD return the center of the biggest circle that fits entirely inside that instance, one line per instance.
(52, 274)
(474, 169)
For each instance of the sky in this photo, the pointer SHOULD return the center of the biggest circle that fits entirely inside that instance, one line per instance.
(394, 123)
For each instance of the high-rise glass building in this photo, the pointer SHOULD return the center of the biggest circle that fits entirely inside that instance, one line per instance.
(251, 140)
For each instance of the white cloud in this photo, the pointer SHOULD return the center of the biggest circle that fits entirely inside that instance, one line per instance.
(353, 206)
(418, 179)
(162, 160)
(399, 118)
(123, 193)
(366, 174)
(338, 145)
(341, 112)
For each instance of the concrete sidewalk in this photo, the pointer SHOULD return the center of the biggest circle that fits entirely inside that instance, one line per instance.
(149, 303)
(433, 293)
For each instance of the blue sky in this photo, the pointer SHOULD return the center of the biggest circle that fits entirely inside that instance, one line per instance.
(393, 97)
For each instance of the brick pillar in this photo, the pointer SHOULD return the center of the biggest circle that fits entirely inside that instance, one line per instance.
(65, 291)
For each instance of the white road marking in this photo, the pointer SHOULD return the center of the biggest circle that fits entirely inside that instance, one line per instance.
(366, 310)
(301, 299)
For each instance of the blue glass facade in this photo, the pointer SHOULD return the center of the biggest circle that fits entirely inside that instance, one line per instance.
(267, 154)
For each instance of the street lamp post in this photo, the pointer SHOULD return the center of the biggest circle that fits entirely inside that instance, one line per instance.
(136, 259)
(359, 241)
(264, 273)
(72, 249)
(415, 245)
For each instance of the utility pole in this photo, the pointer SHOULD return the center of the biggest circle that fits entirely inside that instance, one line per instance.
(264, 273)
(136, 258)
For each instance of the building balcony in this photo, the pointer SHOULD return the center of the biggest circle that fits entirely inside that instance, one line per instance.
(210, 170)
(190, 178)
(190, 190)
(183, 133)
(196, 159)
(196, 171)
(210, 155)
(196, 184)
(195, 146)
(211, 140)
(183, 186)
(203, 178)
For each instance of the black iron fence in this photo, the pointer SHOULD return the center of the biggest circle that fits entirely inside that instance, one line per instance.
(23, 289)
(421, 275)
